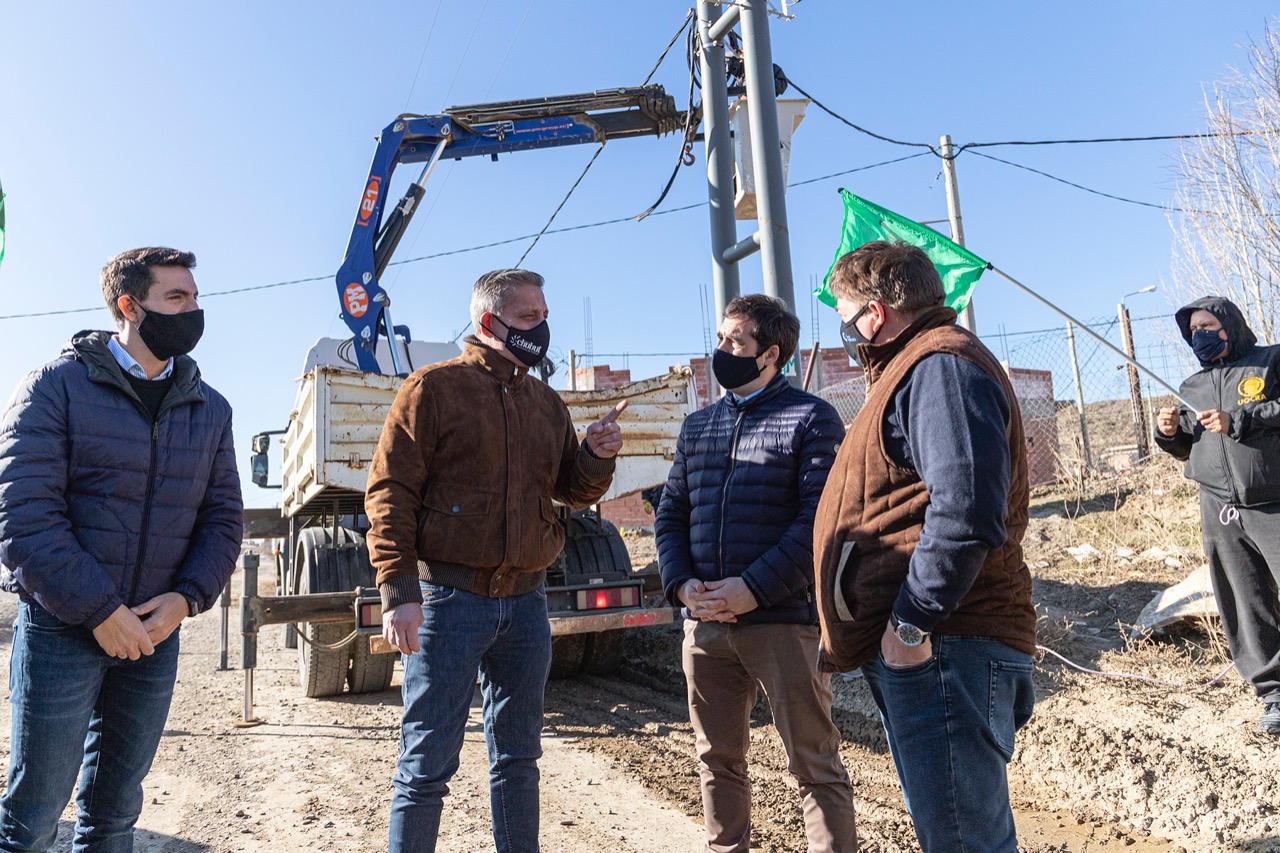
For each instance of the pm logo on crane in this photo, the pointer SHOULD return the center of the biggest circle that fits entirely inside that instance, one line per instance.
(370, 202)
(356, 298)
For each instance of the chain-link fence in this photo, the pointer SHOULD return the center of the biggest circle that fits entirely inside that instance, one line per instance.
(1085, 412)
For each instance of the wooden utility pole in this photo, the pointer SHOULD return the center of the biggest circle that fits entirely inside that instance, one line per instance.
(1135, 390)
(953, 216)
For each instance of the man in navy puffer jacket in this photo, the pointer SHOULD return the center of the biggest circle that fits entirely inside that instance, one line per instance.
(120, 515)
(735, 546)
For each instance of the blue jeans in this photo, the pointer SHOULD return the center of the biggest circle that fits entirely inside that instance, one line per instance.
(508, 640)
(78, 710)
(950, 723)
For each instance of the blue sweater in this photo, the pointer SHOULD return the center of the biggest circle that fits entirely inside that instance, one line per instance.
(947, 423)
(741, 497)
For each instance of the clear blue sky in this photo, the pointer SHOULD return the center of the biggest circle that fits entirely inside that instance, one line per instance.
(243, 132)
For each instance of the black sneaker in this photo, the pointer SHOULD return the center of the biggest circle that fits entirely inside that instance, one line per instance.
(1271, 718)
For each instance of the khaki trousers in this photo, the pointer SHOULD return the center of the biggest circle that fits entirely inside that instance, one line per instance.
(724, 665)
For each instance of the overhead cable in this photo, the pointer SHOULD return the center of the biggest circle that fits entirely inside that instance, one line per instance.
(1077, 186)
(858, 128)
(687, 18)
(477, 248)
(960, 149)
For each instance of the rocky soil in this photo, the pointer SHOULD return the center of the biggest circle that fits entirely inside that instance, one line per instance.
(1107, 762)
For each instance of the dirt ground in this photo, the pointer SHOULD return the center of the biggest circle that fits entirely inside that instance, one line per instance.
(1105, 763)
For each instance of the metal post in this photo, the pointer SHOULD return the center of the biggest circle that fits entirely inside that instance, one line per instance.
(953, 215)
(1135, 391)
(249, 640)
(573, 371)
(766, 152)
(1075, 373)
(225, 602)
(719, 152)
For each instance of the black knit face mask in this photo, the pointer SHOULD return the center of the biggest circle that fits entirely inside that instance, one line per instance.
(169, 335)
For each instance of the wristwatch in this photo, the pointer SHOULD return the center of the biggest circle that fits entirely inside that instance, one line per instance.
(193, 606)
(907, 634)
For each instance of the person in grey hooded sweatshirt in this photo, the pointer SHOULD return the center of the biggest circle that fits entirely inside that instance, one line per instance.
(1231, 444)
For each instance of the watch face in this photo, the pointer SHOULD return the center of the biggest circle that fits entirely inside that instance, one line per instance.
(909, 635)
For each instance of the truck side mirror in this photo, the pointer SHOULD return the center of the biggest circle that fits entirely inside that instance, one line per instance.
(258, 466)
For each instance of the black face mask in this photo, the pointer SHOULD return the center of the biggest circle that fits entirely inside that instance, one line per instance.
(850, 335)
(528, 345)
(734, 371)
(170, 335)
(1207, 344)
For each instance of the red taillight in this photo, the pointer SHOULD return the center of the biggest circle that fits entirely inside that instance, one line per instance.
(370, 615)
(606, 599)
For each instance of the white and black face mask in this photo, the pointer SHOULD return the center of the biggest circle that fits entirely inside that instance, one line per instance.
(528, 345)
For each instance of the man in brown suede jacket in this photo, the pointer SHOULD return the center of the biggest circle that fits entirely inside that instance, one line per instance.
(463, 528)
(917, 541)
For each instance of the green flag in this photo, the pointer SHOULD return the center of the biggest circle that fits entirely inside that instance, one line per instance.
(864, 222)
(1, 224)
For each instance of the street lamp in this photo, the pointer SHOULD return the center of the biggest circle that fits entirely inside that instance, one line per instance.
(1135, 390)
(1150, 288)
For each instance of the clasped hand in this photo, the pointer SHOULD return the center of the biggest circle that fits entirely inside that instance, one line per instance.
(717, 601)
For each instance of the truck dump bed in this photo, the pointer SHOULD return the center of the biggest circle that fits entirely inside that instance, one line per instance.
(338, 414)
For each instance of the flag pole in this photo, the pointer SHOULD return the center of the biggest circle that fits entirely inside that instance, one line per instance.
(1090, 332)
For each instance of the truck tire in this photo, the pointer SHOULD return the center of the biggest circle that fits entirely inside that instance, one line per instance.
(322, 672)
(567, 652)
(369, 673)
(603, 653)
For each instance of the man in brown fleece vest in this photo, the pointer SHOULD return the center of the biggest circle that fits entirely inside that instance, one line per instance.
(921, 580)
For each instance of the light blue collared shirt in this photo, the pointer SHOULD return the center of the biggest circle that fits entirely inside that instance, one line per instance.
(749, 396)
(130, 365)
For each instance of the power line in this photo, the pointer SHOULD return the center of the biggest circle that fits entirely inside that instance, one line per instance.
(423, 56)
(465, 250)
(1167, 208)
(686, 22)
(1080, 186)
(968, 145)
(1119, 139)
(560, 206)
(858, 128)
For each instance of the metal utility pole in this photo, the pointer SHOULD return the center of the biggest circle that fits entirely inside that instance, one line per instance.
(766, 153)
(953, 215)
(1135, 390)
(772, 237)
(1075, 374)
(719, 148)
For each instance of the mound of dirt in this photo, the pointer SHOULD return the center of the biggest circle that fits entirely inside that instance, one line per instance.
(1149, 750)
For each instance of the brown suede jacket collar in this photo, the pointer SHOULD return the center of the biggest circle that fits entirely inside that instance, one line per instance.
(477, 354)
(876, 357)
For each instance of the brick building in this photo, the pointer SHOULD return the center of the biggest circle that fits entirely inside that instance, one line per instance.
(840, 381)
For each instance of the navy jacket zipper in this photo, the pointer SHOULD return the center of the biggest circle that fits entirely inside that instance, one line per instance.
(724, 492)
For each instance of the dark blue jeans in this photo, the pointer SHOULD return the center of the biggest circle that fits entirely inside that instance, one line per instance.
(951, 722)
(78, 710)
(508, 641)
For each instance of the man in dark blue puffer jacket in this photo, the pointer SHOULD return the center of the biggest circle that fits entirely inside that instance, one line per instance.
(120, 515)
(735, 547)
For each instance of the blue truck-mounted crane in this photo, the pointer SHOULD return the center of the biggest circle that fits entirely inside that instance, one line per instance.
(323, 577)
(324, 571)
(481, 130)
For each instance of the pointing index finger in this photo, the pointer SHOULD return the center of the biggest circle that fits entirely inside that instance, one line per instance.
(613, 415)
